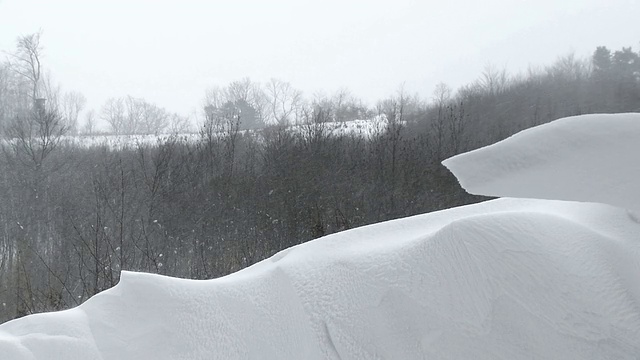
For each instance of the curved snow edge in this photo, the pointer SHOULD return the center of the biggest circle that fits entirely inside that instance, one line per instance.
(586, 158)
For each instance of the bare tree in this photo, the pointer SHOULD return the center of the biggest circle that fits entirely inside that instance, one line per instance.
(240, 90)
(89, 126)
(151, 118)
(134, 114)
(26, 61)
(441, 99)
(36, 133)
(441, 95)
(248, 98)
(5, 97)
(314, 130)
(252, 96)
(37, 136)
(214, 96)
(52, 92)
(220, 135)
(114, 112)
(493, 80)
(347, 106)
(21, 80)
(179, 124)
(569, 68)
(72, 104)
(284, 101)
(130, 115)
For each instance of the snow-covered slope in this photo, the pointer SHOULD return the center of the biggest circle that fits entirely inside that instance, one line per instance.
(581, 158)
(362, 128)
(504, 279)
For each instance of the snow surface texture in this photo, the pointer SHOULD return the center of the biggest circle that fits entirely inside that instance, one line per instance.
(503, 279)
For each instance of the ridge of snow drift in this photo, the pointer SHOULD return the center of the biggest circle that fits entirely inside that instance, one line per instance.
(503, 279)
(591, 158)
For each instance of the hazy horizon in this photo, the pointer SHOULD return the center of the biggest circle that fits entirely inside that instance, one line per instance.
(170, 52)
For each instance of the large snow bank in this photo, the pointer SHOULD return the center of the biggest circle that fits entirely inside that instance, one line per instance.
(581, 158)
(504, 279)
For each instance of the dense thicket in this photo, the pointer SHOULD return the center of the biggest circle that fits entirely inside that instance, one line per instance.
(71, 218)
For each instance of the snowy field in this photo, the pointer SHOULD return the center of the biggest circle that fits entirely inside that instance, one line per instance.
(528, 276)
(363, 128)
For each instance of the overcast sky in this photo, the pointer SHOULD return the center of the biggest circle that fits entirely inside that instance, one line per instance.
(170, 52)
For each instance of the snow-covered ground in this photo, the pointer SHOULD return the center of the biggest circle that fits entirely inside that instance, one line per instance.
(510, 278)
(117, 142)
(364, 128)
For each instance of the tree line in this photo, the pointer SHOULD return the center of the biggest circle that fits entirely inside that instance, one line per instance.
(72, 218)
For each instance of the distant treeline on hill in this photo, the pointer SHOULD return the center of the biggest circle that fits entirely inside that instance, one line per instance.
(71, 218)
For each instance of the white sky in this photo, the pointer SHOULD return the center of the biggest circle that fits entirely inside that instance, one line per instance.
(170, 52)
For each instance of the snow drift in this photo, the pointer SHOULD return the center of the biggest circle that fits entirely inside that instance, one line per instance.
(582, 158)
(503, 279)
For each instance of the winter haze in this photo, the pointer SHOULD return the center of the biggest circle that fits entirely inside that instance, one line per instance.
(170, 52)
(328, 180)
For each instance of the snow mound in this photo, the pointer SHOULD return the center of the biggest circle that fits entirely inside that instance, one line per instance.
(592, 158)
(504, 279)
